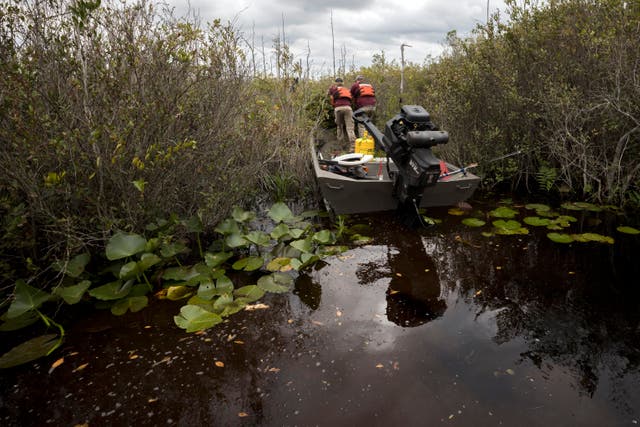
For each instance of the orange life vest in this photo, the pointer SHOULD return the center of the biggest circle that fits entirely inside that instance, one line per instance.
(367, 90)
(342, 92)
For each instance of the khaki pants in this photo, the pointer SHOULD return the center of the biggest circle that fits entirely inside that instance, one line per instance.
(369, 110)
(344, 123)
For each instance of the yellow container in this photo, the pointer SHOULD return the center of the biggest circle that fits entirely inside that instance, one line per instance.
(365, 145)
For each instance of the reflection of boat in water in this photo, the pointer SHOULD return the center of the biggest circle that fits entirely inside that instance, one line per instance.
(409, 175)
(413, 296)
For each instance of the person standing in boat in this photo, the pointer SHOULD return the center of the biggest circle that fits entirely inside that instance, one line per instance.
(364, 97)
(340, 98)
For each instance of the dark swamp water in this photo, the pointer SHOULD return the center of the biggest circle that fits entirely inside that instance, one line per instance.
(426, 327)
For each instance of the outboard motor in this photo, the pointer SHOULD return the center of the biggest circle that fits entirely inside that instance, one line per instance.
(407, 140)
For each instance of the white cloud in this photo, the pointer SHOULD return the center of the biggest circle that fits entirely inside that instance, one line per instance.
(359, 31)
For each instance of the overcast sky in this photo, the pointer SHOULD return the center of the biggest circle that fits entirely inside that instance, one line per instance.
(360, 28)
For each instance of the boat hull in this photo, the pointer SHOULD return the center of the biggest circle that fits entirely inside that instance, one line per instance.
(374, 193)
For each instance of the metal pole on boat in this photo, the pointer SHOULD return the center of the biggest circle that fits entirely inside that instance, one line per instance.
(402, 46)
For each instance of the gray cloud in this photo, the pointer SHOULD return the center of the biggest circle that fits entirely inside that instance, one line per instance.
(360, 31)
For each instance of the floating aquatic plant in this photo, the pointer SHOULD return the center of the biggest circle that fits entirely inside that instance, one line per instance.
(473, 222)
(503, 212)
(628, 230)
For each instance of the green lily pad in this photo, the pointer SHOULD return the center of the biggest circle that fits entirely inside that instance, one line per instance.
(560, 237)
(250, 293)
(72, 294)
(236, 240)
(536, 221)
(22, 321)
(75, 267)
(537, 207)
(122, 245)
(358, 239)
(592, 237)
(628, 230)
(503, 212)
(276, 282)
(216, 259)
(241, 215)
(132, 304)
(30, 350)
(26, 298)
(259, 238)
(303, 245)
(111, 291)
(280, 212)
(250, 263)
(195, 318)
(473, 222)
(281, 231)
(172, 249)
(324, 237)
(227, 227)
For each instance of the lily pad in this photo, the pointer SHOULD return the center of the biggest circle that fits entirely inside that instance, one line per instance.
(281, 231)
(216, 259)
(560, 237)
(537, 207)
(175, 293)
(75, 267)
(473, 222)
(72, 294)
(503, 212)
(111, 291)
(123, 245)
(276, 282)
(26, 298)
(132, 304)
(30, 350)
(227, 227)
(250, 293)
(250, 263)
(259, 238)
(280, 212)
(324, 237)
(279, 264)
(241, 215)
(536, 221)
(194, 318)
(628, 230)
(22, 321)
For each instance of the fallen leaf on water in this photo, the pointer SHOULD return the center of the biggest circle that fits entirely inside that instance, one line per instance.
(74, 353)
(202, 332)
(166, 359)
(478, 292)
(451, 416)
(393, 291)
(258, 306)
(230, 337)
(399, 274)
(396, 366)
(379, 365)
(152, 399)
(133, 356)
(290, 321)
(147, 327)
(274, 369)
(80, 368)
(315, 322)
(498, 267)
(55, 364)
(426, 270)
(510, 371)
(219, 364)
(243, 414)
(238, 342)
(338, 313)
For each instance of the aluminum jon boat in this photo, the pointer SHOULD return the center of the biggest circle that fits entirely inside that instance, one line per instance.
(409, 176)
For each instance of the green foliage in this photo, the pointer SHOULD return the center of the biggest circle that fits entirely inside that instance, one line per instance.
(121, 285)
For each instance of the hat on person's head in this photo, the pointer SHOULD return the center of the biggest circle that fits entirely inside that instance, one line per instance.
(360, 78)
(338, 80)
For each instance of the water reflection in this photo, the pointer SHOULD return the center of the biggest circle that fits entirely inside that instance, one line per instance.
(413, 296)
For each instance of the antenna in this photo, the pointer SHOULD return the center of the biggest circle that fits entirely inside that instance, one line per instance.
(402, 46)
